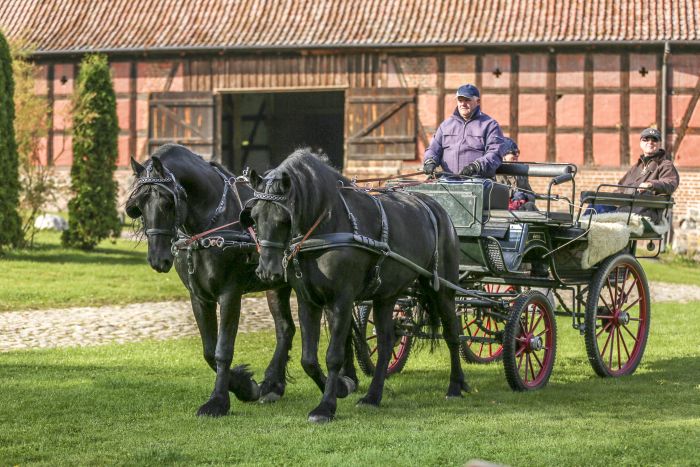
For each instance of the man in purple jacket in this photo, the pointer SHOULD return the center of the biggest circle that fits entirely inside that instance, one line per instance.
(467, 143)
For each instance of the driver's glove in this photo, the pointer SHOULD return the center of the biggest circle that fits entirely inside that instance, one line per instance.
(471, 169)
(429, 167)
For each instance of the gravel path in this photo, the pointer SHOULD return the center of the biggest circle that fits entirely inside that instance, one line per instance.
(165, 320)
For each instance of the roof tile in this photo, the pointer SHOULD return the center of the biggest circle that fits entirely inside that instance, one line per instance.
(76, 25)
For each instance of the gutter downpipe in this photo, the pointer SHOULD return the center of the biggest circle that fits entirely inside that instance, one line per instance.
(664, 93)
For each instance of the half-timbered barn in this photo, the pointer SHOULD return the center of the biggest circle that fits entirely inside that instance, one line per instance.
(247, 81)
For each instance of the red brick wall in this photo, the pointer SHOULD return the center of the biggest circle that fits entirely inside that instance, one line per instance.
(435, 93)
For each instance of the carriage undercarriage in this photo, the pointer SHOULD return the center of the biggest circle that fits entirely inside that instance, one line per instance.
(521, 271)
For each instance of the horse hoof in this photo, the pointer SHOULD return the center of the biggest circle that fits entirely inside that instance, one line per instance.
(270, 397)
(349, 383)
(450, 397)
(213, 408)
(347, 388)
(320, 419)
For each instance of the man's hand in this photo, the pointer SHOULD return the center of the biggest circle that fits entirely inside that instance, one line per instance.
(471, 169)
(646, 186)
(429, 167)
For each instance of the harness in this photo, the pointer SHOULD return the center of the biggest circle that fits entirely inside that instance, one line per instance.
(212, 237)
(355, 239)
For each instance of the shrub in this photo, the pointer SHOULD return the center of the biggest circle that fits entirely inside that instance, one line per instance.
(92, 210)
(37, 182)
(10, 223)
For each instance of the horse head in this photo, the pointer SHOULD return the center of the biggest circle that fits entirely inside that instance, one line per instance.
(269, 211)
(289, 201)
(160, 200)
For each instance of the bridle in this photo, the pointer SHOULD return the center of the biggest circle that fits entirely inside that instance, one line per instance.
(175, 191)
(281, 201)
(179, 195)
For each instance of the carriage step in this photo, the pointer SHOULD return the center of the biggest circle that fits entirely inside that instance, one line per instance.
(494, 255)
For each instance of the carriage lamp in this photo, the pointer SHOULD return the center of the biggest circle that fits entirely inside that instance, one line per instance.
(651, 246)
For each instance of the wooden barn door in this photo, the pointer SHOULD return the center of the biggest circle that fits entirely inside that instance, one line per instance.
(185, 118)
(380, 124)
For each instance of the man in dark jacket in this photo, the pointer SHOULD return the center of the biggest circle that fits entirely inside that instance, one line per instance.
(653, 172)
(468, 142)
(522, 197)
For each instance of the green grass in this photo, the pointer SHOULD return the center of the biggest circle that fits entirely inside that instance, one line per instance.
(672, 269)
(134, 404)
(50, 276)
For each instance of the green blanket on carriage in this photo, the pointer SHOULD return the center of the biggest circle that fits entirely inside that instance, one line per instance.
(610, 232)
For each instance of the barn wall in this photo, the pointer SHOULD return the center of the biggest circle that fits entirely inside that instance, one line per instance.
(582, 107)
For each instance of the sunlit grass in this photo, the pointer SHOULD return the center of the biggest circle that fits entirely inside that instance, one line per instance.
(49, 276)
(135, 404)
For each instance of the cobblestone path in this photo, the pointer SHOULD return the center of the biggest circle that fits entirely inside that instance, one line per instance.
(165, 320)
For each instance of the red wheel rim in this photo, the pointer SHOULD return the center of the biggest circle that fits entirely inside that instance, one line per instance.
(485, 352)
(400, 344)
(533, 345)
(621, 320)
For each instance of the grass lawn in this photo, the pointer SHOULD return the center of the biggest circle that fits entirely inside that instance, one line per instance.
(672, 270)
(135, 404)
(50, 276)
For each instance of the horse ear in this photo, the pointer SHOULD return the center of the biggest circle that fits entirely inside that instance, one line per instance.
(255, 179)
(286, 182)
(157, 165)
(136, 167)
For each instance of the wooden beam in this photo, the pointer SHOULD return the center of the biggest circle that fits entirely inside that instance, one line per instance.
(50, 76)
(478, 70)
(133, 76)
(440, 91)
(514, 95)
(683, 128)
(551, 107)
(658, 90)
(624, 109)
(380, 118)
(588, 110)
(176, 119)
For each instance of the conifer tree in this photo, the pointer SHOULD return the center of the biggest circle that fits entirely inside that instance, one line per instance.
(10, 222)
(92, 210)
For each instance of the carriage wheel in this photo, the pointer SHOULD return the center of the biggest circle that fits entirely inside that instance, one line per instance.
(365, 339)
(481, 352)
(617, 316)
(530, 342)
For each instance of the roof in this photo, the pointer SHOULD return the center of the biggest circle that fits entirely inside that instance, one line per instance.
(69, 26)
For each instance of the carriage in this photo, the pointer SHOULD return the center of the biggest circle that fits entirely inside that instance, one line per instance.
(520, 269)
(327, 238)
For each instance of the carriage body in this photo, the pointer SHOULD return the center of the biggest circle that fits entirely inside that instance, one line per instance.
(518, 270)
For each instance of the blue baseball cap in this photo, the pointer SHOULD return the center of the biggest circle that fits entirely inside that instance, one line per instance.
(468, 91)
(509, 146)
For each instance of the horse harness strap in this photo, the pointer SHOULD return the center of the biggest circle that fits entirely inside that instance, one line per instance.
(357, 240)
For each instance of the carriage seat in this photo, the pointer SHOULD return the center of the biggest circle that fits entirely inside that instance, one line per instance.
(558, 173)
(628, 201)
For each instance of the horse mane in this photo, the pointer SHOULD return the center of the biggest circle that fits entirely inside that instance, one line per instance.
(313, 185)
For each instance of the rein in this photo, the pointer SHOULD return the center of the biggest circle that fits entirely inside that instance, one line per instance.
(384, 179)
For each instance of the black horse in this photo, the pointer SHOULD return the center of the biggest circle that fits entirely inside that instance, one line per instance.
(177, 193)
(340, 254)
